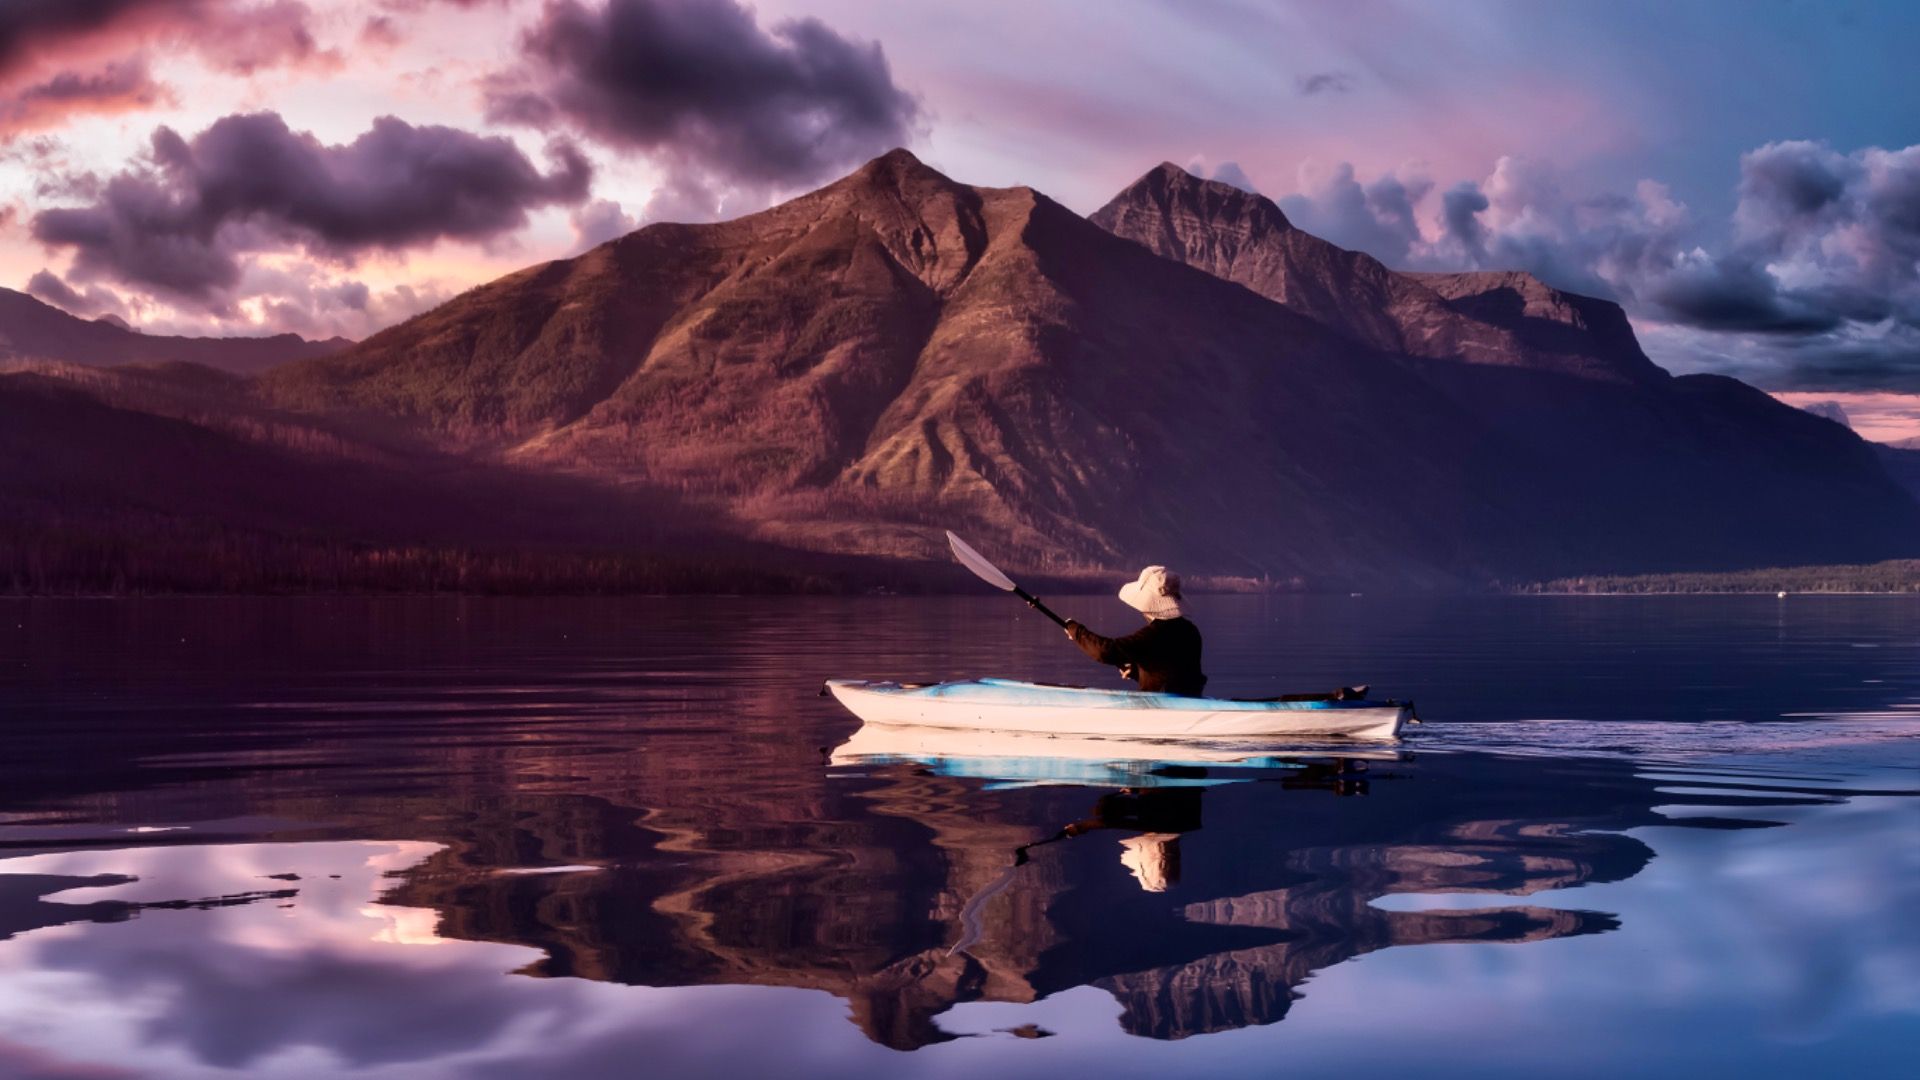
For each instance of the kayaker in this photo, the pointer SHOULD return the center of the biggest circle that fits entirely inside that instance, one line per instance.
(1162, 656)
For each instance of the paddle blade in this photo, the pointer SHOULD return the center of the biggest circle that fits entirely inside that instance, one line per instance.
(978, 563)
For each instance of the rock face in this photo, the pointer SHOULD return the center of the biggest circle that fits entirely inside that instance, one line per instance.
(31, 330)
(1185, 378)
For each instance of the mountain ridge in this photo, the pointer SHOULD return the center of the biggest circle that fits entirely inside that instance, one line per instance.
(31, 329)
(1183, 377)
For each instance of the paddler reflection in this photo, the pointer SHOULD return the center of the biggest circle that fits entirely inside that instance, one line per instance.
(1159, 815)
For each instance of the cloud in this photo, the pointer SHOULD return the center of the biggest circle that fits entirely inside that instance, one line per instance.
(1230, 172)
(600, 221)
(1227, 172)
(182, 222)
(120, 86)
(303, 299)
(233, 37)
(1325, 82)
(1460, 210)
(380, 32)
(728, 107)
(1815, 283)
(61, 58)
(1825, 265)
(1377, 217)
(269, 35)
(1730, 293)
(30, 29)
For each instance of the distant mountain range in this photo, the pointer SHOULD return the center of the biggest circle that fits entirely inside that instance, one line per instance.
(32, 330)
(1184, 378)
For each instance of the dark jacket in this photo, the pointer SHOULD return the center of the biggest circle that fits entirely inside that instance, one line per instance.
(1163, 655)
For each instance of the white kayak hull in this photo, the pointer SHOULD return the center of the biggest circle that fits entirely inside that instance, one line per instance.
(1006, 705)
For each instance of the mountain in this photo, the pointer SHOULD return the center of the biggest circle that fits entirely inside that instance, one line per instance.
(1183, 378)
(1902, 461)
(898, 349)
(33, 330)
(1623, 463)
(1506, 319)
(1830, 410)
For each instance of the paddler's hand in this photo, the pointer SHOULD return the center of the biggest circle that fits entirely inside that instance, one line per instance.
(1073, 630)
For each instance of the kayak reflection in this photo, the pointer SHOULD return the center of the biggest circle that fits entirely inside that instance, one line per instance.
(1017, 758)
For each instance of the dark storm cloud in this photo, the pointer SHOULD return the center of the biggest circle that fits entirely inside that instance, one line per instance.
(1819, 286)
(1325, 82)
(182, 222)
(1826, 264)
(703, 87)
(1731, 294)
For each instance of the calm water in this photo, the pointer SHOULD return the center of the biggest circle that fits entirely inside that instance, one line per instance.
(511, 838)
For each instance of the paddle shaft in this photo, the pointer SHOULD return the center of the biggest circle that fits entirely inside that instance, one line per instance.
(1034, 603)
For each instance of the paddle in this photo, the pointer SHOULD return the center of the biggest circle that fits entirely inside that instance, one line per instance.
(991, 574)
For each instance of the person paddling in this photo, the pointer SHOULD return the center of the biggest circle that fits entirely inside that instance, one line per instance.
(1162, 656)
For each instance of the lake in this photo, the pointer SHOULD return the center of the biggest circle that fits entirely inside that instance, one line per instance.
(463, 837)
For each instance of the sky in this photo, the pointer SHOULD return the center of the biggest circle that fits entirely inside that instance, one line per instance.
(1742, 176)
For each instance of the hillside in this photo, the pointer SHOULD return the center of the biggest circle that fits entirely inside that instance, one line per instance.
(98, 498)
(31, 330)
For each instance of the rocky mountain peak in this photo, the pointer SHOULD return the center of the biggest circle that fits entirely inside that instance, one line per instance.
(1179, 216)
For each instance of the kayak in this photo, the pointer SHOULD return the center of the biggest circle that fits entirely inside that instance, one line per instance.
(1008, 705)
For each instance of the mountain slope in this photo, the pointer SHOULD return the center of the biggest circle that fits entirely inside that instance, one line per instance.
(32, 330)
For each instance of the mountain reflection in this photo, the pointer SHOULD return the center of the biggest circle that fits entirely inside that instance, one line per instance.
(1202, 897)
(862, 891)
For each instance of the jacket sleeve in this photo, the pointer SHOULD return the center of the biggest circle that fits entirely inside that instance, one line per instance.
(1114, 651)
